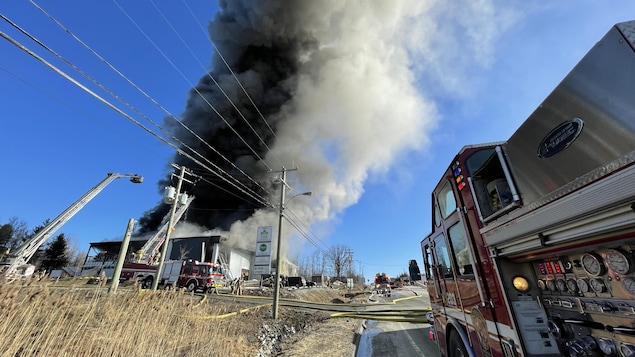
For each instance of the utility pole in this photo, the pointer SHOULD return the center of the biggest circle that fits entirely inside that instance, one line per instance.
(349, 260)
(164, 248)
(276, 286)
(123, 251)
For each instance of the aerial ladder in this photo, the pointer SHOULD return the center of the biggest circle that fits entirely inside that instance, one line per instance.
(18, 259)
(150, 249)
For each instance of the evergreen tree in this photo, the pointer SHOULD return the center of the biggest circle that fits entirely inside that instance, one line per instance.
(55, 255)
(6, 232)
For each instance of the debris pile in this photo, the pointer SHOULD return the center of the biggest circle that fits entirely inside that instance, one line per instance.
(273, 332)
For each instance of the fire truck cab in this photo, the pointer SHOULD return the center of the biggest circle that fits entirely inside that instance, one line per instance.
(532, 249)
(192, 275)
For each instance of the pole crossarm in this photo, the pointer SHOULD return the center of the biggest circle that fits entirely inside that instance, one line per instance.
(164, 247)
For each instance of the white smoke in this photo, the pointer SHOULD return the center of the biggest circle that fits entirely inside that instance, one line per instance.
(364, 97)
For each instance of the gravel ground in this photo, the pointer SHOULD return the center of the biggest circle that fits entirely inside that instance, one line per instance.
(332, 337)
(300, 333)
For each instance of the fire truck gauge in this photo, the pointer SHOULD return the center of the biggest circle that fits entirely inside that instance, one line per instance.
(629, 285)
(583, 285)
(561, 285)
(551, 285)
(541, 285)
(627, 350)
(617, 261)
(592, 264)
(607, 346)
(554, 329)
(572, 285)
(598, 285)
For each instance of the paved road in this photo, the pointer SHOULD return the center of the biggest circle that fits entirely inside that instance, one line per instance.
(395, 325)
(398, 338)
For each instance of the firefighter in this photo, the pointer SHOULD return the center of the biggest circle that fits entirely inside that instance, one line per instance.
(235, 286)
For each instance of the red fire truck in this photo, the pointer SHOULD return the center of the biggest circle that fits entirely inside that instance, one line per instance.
(532, 250)
(190, 274)
(382, 284)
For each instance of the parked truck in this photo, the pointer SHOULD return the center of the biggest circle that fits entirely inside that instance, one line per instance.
(144, 266)
(191, 275)
(532, 249)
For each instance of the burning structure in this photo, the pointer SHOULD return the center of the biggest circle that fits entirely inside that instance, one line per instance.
(311, 84)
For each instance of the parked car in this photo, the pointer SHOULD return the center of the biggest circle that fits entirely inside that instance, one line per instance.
(297, 281)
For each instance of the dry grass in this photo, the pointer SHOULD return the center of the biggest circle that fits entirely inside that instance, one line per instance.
(86, 321)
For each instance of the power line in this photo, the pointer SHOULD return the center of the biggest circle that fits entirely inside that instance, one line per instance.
(296, 223)
(119, 111)
(193, 86)
(217, 84)
(124, 102)
(314, 238)
(112, 67)
(237, 81)
(75, 109)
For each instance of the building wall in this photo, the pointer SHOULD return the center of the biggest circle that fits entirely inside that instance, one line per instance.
(240, 261)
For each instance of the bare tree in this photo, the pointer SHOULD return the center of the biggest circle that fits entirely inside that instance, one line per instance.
(317, 263)
(304, 266)
(19, 235)
(75, 257)
(337, 257)
(184, 252)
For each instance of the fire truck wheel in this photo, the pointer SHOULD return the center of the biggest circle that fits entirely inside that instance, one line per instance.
(147, 282)
(455, 346)
(191, 285)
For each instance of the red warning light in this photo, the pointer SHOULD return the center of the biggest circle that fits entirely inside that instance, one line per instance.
(549, 267)
(558, 267)
(461, 185)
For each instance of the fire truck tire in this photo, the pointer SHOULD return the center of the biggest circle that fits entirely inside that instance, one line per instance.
(147, 282)
(191, 285)
(455, 346)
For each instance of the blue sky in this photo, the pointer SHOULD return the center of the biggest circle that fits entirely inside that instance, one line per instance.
(478, 70)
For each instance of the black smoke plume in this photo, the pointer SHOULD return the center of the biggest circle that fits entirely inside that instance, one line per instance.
(264, 61)
(340, 84)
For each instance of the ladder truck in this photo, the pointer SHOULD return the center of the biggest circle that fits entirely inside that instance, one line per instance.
(150, 249)
(144, 268)
(532, 249)
(16, 263)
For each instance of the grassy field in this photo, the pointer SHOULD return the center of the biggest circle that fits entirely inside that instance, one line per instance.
(73, 318)
(83, 320)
